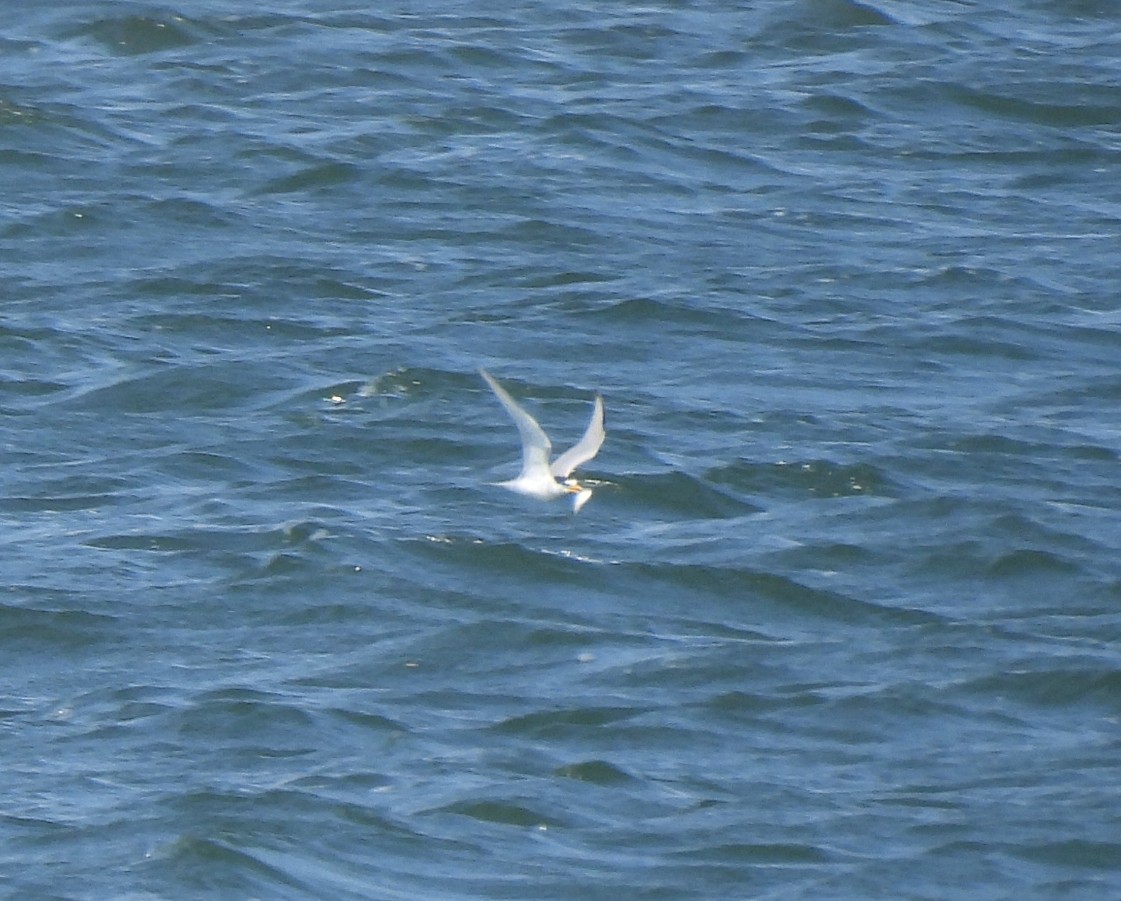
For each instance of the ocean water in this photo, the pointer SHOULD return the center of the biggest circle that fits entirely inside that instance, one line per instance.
(843, 618)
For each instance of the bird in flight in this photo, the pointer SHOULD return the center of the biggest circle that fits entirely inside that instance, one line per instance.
(539, 478)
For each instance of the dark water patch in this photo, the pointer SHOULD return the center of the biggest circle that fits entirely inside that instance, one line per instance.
(134, 35)
(500, 813)
(844, 14)
(822, 27)
(597, 772)
(1007, 549)
(555, 724)
(67, 494)
(215, 386)
(515, 560)
(189, 212)
(202, 466)
(1031, 564)
(280, 565)
(1037, 111)
(1051, 687)
(506, 650)
(178, 285)
(1075, 853)
(568, 279)
(23, 828)
(544, 231)
(832, 557)
(35, 629)
(221, 865)
(802, 479)
(739, 703)
(687, 628)
(953, 559)
(1072, 399)
(326, 613)
(471, 647)
(786, 595)
(54, 136)
(997, 444)
(693, 671)
(964, 342)
(279, 861)
(679, 495)
(146, 542)
(348, 790)
(843, 111)
(363, 726)
(649, 311)
(611, 41)
(959, 277)
(313, 179)
(242, 287)
(557, 638)
(296, 537)
(71, 223)
(762, 855)
(240, 713)
(118, 715)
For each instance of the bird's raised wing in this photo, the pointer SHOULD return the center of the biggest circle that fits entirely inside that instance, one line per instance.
(535, 443)
(584, 449)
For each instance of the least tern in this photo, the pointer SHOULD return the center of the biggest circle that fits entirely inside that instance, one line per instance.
(538, 477)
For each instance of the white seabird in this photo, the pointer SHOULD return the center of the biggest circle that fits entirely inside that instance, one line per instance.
(538, 477)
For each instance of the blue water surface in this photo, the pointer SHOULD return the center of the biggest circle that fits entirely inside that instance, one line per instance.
(843, 618)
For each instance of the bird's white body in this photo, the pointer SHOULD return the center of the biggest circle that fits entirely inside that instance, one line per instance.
(539, 478)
